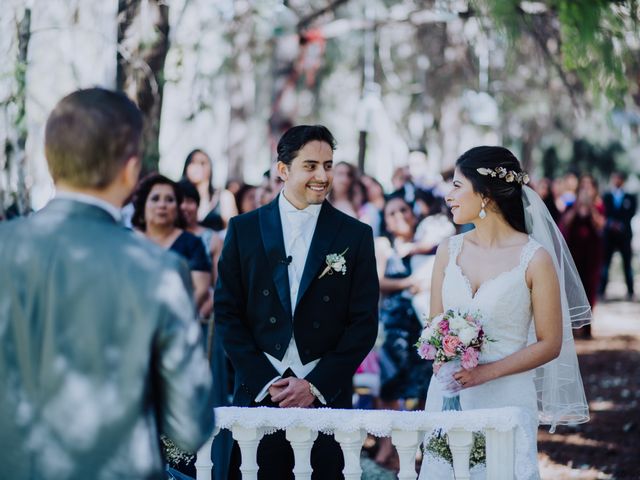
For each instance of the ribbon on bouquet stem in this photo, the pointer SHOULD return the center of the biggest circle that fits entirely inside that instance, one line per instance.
(450, 386)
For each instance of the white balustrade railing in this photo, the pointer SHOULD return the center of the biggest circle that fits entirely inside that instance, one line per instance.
(501, 427)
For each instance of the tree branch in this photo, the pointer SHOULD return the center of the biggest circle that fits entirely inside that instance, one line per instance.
(541, 41)
(306, 21)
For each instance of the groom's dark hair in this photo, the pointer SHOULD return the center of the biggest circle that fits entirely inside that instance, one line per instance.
(297, 137)
(506, 195)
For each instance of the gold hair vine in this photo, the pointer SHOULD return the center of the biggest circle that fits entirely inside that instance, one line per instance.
(509, 176)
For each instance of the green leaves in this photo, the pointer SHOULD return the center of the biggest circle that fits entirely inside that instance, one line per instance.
(592, 35)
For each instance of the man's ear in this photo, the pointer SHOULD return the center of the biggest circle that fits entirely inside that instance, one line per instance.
(131, 172)
(283, 170)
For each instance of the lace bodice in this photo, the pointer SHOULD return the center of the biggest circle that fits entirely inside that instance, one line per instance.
(504, 301)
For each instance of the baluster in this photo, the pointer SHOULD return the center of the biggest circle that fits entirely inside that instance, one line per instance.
(351, 444)
(460, 443)
(248, 440)
(406, 443)
(500, 454)
(203, 458)
(301, 440)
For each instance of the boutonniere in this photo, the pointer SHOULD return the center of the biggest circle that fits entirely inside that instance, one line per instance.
(335, 263)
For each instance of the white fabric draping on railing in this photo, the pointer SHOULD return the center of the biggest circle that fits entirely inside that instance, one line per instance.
(379, 423)
(502, 427)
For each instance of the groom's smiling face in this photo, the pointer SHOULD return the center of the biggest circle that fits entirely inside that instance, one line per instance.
(308, 179)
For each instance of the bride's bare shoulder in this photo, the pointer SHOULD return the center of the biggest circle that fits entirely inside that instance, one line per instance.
(541, 266)
(443, 248)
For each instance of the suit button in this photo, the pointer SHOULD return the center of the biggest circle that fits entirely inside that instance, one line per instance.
(326, 298)
(278, 347)
(273, 319)
(265, 292)
(316, 325)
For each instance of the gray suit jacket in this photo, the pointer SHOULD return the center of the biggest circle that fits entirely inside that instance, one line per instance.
(100, 352)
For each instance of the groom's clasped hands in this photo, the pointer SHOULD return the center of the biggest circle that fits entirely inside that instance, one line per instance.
(291, 392)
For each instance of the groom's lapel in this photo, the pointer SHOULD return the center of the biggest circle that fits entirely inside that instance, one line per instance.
(273, 241)
(327, 228)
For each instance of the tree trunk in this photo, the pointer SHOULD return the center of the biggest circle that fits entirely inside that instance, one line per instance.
(530, 139)
(240, 85)
(14, 150)
(143, 43)
(362, 150)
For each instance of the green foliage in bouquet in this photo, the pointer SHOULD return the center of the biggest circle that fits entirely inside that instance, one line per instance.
(438, 446)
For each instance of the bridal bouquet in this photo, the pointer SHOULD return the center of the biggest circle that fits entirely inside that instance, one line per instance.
(453, 340)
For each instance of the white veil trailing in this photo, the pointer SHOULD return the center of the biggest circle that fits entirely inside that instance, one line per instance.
(561, 398)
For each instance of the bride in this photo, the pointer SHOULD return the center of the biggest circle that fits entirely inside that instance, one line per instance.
(515, 270)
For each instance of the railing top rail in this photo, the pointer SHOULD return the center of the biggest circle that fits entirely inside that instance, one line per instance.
(375, 422)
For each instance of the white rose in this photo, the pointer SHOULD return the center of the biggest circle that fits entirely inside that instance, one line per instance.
(338, 265)
(427, 333)
(457, 323)
(467, 334)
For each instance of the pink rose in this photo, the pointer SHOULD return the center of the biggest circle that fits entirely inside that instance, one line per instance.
(449, 345)
(427, 351)
(470, 358)
(444, 326)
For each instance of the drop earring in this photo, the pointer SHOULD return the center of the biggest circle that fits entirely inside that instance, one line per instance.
(482, 213)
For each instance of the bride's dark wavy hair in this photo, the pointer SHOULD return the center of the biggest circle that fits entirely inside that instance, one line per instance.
(506, 195)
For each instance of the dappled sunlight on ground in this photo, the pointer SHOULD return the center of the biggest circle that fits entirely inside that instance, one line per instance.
(607, 446)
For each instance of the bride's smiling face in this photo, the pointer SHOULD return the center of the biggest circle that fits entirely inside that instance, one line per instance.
(464, 202)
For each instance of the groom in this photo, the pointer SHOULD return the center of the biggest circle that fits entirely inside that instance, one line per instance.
(296, 300)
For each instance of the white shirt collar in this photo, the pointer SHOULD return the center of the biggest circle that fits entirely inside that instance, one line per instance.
(287, 207)
(90, 200)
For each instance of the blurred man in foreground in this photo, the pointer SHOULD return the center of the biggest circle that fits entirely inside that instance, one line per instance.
(100, 350)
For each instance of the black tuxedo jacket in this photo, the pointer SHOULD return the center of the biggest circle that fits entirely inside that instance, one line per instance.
(619, 216)
(336, 317)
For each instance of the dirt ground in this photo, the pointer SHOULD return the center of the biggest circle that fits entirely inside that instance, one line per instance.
(608, 446)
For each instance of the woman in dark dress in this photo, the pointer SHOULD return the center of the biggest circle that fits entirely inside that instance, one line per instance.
(403, 374)
(582, 226)
(157, 215)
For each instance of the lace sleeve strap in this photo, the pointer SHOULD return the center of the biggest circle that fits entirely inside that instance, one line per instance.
(455, 245)
(528, 251)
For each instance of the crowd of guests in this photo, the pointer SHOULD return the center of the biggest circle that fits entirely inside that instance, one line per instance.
(595, 227)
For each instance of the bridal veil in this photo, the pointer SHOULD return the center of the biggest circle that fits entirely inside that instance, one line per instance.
(561, 398)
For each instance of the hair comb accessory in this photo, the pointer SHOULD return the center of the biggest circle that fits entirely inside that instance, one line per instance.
(509, 176)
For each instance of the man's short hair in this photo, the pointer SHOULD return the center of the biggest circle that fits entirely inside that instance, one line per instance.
(620, 174)
(89, 136)
(297, 137)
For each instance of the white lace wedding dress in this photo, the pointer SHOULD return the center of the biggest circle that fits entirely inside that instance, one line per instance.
(505, 304)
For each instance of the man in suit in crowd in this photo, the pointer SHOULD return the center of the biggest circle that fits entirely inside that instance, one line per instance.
(101, 352)
(620, 207)
(296, 300)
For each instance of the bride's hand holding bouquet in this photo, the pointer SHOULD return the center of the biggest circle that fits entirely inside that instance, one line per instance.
(454, 340)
